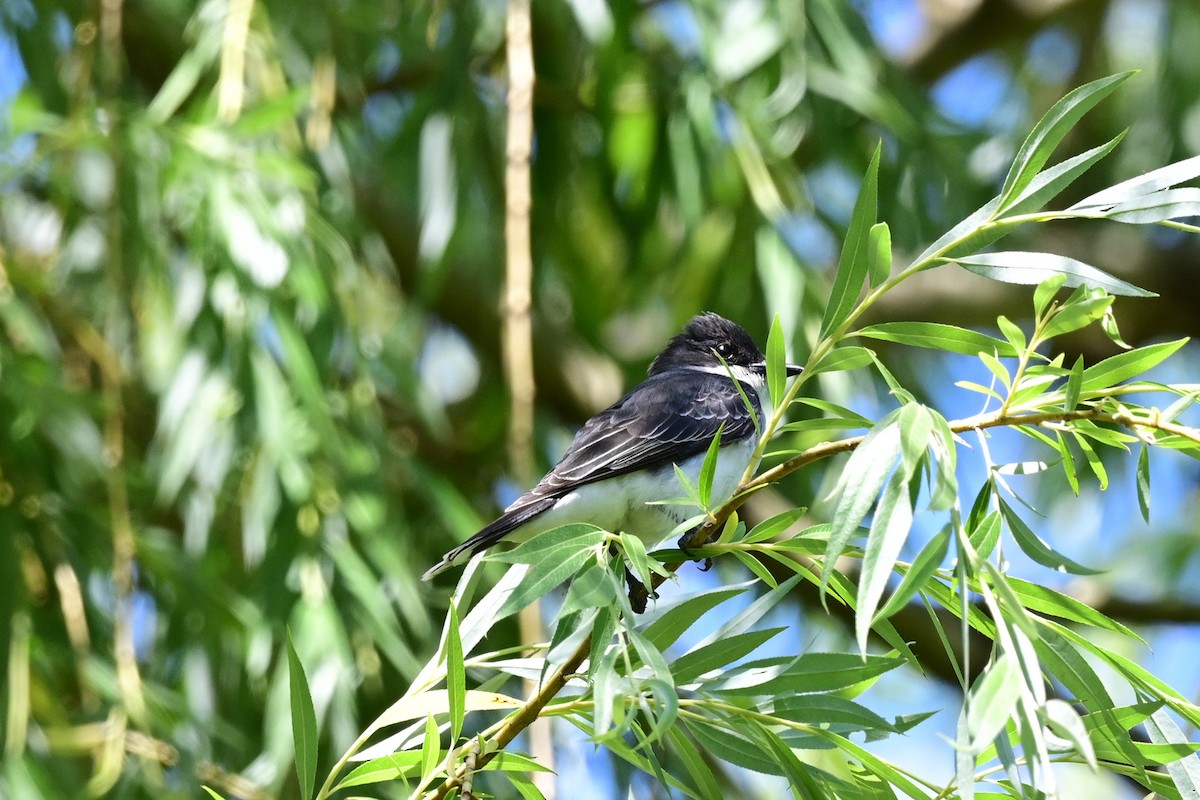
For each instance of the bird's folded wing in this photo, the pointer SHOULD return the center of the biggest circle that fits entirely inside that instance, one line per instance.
(668, 419)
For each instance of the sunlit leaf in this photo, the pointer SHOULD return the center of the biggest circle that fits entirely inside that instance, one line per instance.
(1021, 267)
(854, 261)
(923, 566)
(1148, 183)
(879, 252)
(843, 358)
(889, 531)
(776, 362)
(1123, 366)
(1051, 129)
(709, 469)
(937, 336)
(869, 466)
(992, 700)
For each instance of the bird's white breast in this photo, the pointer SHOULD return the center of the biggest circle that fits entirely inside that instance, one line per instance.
(632, 503)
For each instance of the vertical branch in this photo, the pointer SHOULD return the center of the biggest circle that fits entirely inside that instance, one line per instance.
(518, 329)
(107, 355)
(518, 300)
(232, 81)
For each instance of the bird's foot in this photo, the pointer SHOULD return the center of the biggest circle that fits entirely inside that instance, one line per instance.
(638, 593)
(685, 544)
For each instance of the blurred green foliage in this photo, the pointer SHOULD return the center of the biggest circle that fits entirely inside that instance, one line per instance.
(240, 242)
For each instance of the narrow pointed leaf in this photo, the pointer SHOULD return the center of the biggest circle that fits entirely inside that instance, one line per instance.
(431, 748)
(992, 700)
(879, 249)
(889, 531)
(863, 477)
(1038, 550)
(664, 631)
(456, 676)
(1124, 366)
(1020, 267)
(1050, 131)
(1153, 181)
(843, 358)
(1045, 292)
(853, 264)
(776, 362)
(923, 567)
(938, 336)
(304, 722)
(708, 469)
(1143, 482)
(1185, 772)
(1158, 207)
(1049, 183)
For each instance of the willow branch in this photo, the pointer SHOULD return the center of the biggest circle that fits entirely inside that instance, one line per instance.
(532, 709)
(517, 323)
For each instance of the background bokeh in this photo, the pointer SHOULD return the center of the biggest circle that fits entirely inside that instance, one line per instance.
(251, 264)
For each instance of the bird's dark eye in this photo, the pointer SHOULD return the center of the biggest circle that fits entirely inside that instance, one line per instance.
(724, 349)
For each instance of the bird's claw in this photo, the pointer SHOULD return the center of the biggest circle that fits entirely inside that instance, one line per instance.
(639, 595)
(685, 544)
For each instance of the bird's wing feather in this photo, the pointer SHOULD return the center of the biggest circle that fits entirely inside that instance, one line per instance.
(667, 419)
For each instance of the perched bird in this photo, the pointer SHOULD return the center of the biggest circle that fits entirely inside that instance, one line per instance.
(622, 460)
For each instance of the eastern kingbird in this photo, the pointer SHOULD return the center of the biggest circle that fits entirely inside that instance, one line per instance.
(621, 460)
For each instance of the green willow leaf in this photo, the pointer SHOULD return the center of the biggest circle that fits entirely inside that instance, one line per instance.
(853, 264)
(1158, 207)
(304, 722)
(843, 358)
(1038, 550)
(551, 545)
(991, 701)
(1020, 267)
(937, 336)
(889, 531)
(704, 782)
(720, 653)
(1149, 183)
(676, 620)
(776, 362)
(708, 469)
(1130, 364)
(922, 568)
(456, 675)
(1143, 482)
(383, 769)
(1045, 292)
(1051, 129)
(862, 478)
(879, 251)
(1076, 315)
(811, 672)
(1049, 183)
(1045, 600)
(772, 527)
(1185, 772)
(431, 749)
(756, 567)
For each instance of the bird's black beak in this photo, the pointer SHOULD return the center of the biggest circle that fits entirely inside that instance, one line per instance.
(791, 370)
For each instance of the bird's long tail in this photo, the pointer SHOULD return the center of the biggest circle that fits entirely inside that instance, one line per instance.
(517, 515)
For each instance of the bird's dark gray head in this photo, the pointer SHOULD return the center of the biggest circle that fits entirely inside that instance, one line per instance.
(704, 338)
